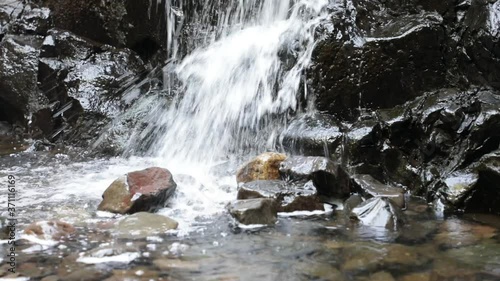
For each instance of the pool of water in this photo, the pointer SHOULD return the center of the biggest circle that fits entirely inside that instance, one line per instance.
(210, 245)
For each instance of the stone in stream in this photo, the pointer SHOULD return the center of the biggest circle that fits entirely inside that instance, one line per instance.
(254, 211)
(290, 197)
(145, 190)
(370, 187)
(48, 230)
(262, 167)
(328, 177)
(378, 212)
(142, 224)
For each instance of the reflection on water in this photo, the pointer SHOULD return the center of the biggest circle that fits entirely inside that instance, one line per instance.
(210, 246)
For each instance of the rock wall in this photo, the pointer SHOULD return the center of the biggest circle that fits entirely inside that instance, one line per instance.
(65, 63)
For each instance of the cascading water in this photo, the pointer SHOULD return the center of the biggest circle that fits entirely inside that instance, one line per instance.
(234, 89)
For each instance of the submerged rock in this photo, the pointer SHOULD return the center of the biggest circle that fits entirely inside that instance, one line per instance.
(54, 230)
(262, 167)
(290, 197)
(328, 177)
(145, 190)
(378, 212)
(254, 211)
(142, 224)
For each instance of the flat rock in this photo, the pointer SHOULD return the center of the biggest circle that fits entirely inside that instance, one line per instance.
(370, 187)
(290, 197)
(254, 211)
(142, 224)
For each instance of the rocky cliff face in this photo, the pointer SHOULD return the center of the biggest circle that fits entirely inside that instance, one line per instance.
(65, 63)
(415, 85)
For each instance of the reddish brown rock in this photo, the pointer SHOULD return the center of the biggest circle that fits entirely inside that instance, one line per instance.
(146, 190)
(50, 229)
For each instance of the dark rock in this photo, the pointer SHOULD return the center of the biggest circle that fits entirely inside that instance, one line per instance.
(312, 135)
(290, 197)
(379, 212)
(145, 190)
(137, 25)
(328, 178)
(475, 189)
(50, 230)
(263, 167)
(254, 211)
(370, 187)
(19, 95)
(401, 58)
(32, 20)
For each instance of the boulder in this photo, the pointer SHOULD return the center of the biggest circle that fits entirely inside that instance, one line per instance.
(328, 178)
(312, 135)
(290, 197)
(50, 230)
(263, 167)
(370, 187)
(142, 224)
(378, 212)
(146, 190)
(254, 211)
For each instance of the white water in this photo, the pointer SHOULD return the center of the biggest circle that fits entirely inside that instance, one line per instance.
(233, 98)
(232, 90)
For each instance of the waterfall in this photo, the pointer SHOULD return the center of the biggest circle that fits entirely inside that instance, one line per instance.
(231, 93)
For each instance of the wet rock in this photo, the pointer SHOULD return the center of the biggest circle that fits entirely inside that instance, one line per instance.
(142, 224)
(254, 211)
(290, 197)
(351, 67)
(378, 212)
(312, 135)
(138, 25)
(50, 230)
(370, 187)
(145, 190)
(262, 167)
(19, 95)
(33, 20)
(328, 178)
